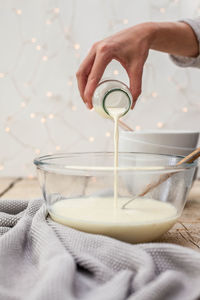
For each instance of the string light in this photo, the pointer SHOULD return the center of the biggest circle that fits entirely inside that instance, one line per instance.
(33, 40)
(23, 104)
(137, 127)
(2, 75)
(160, 124)
(69, 82)
(56, 10)
(116, 72)
(91, 139)
(58, 148)
(107, 134)
(48, 22)
(185, 109)
(74, 108)
(43, 120)
(18, 12)
(94, 179)
(7, 129)
(37, 151)
(45, 58)
(76, 46)
(154, 94)
(162, 10)
(28, 83)
(32, 115)
(9, 118)
(169, 78)
(1, 167)
(38, 47)
(51, 116)
(125, 21)
(49, 94)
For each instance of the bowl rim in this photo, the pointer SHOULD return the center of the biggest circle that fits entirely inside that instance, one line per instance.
(42, 164)
(161, 132)
(161, 146)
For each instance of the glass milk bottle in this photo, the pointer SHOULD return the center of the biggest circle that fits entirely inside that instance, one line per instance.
(111, 94)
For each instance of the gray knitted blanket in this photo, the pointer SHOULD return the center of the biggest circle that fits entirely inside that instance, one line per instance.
(43, 260)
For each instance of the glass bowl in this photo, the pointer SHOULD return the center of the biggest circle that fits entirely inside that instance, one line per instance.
(78, 189)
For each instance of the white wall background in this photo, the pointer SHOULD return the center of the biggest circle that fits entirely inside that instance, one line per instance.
(42, 45)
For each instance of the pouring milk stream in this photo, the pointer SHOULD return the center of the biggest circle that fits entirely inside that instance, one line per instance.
(113, 99)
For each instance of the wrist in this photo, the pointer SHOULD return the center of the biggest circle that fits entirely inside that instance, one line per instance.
(158, 33)
(151, 31)
(175, 38)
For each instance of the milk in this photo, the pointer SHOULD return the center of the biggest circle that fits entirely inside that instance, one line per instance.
(144, 219)
(116, 113)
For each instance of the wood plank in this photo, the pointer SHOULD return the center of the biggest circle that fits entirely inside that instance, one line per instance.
(186, 232)
(187, 235)
(24, 189)
(194, 193)
(4, 183)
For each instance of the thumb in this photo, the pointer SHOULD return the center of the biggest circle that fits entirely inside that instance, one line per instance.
(135, 78)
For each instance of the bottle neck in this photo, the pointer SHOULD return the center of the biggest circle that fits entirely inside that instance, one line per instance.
(116, 98)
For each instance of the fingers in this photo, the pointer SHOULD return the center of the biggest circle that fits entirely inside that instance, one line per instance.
(135, 77)
(92, 69)
(84, 70)
(98, 68)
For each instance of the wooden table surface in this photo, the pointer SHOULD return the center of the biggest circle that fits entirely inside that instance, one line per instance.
(186, 231)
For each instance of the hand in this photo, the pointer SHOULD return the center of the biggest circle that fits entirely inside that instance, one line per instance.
(130, 47)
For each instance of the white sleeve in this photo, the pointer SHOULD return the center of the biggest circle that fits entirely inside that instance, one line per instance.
(183, 61)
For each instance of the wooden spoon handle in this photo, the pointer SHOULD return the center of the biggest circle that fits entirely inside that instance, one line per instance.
(188, 159)
(124, 126)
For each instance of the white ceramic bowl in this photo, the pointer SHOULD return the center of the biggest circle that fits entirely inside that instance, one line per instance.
(159, 142)
(174, 138)
(162, 142)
